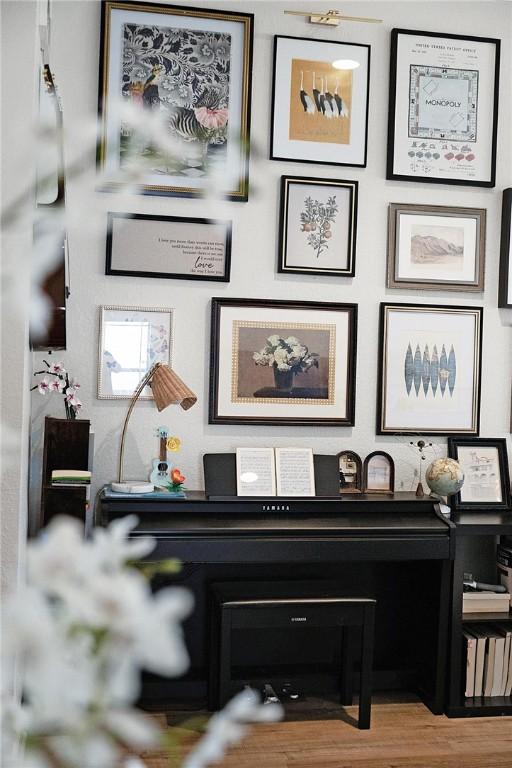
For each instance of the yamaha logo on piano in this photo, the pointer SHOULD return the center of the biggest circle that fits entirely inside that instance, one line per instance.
(275, 507)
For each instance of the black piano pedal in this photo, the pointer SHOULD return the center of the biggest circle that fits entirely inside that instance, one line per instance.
(269, 695)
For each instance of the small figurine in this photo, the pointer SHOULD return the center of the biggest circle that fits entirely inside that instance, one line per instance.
(177, 481)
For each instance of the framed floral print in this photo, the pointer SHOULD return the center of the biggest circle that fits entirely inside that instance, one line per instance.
(429, 369)
(282, 362)
(318, 223)
(505, 284)
(484, 462)
(443, 108)
(320, 95)
(174, 98)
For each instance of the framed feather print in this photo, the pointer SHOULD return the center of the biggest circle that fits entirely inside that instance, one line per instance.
(174, 99)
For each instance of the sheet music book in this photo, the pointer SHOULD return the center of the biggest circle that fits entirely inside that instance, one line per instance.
(255, 472)
(295, 472)
(270, 472)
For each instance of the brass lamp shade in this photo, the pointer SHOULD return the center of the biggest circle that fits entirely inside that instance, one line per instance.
(168, 388)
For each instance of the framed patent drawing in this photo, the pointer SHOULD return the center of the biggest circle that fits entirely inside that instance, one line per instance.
(484, 462)
(505, 284)
(320, 101)
(443, 108)
(282, 362)
(318, 222)
(429, 369)
(174, 99)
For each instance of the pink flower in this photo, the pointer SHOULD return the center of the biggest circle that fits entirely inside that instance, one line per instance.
(57, 385)
(211, 118)
(44, 385)
(75, 384)
(57, 368)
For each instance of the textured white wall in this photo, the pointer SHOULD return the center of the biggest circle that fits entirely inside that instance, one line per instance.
(75, 59)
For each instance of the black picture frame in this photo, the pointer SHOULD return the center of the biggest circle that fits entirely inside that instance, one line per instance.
(331, 401)
(500, 444)
(194, 222)
(432, 178)
(366, 463)
(505, 278)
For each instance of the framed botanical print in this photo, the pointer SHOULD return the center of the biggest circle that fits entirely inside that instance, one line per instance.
(484, 462)
(174, 98)
(429, 369)
(378, 473)
(443, 108)
(317, 230)
(282, 362)
(505, 284)
(320, 97)
(436, 247)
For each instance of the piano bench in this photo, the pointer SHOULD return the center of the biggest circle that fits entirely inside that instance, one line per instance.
(257, 608)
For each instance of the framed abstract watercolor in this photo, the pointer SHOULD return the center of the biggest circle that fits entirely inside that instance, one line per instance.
(320, 97)
(443, 108)
(484, 462)
(318, 223)
(174, 99)
(505, 284)
(429, 369)
(282, 362)
(436, 247)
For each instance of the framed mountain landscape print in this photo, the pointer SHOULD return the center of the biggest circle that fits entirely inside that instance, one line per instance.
(443, 108)
(174, 99)
(429, 369)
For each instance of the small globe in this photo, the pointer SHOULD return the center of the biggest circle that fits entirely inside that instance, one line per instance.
(444, 477)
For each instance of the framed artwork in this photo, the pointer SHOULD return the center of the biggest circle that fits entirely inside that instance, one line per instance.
(429, 369)
(143, 245)
(131, 341)
(282, 362)
(379, 473)
(320, 96)
(436, 247)
(443, 108)
(317, 230)
(484, 462)
(188, 70)
(351, 472)
(505, 284)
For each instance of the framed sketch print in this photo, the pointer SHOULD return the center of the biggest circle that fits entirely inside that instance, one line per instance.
(317, 230)
(320, 95)
(443, 108)
(429, 369)
(143, 245)
(282, 362)
(378, 473)
(174, 98)
(131, 341)
(436, 247)
(484, 462)
(505, 284)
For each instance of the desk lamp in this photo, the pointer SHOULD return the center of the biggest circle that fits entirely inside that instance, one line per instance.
(167, 389)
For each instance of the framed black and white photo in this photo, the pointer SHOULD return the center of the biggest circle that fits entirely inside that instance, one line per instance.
(443, 108)
(505, 284)
(174, 99)
(436, 247)
(484, 462)
(320, 94)
(429, 369)
(317, 230)
(144, 245)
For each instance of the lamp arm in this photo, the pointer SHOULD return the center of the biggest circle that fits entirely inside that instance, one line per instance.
(134, 399)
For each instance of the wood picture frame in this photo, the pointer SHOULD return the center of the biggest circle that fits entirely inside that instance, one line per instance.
(443, 108)
(314, 345)
(379, 473)
(484, 462)
(351, 472)
(505, 280)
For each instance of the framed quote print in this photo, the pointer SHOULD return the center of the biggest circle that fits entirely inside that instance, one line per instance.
(320, 97)
(484, 462)
(318, 222)
(174, 99)
(282, 362)
(436, 247)
(505, 284)
(443, 108)
(429, 369)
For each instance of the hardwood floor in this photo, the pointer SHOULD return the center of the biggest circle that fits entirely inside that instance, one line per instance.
(402, 734)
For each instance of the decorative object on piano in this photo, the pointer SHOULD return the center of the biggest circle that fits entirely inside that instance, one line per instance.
(505, 286)
(56, 379)
(131, 341)
(255, 472)
(351, 472)
(484, 462)
(144, 245)
(295, 472)
(159, 474)
(436, 247)
(378, 473)
(444, 477)
(317, 230)
(282, 362)
(320, 111)
(177, 480)
(429, 369)
(443, 108)
(420, 446)
(174, 97)
(168, 389)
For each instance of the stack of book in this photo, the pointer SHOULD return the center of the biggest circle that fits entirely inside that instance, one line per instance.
(71, 477)
(488, 659)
